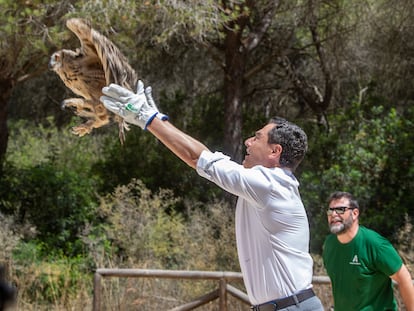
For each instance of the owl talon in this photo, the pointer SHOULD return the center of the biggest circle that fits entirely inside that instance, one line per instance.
(81, 130)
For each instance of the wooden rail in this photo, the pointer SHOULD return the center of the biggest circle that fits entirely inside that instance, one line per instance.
(220, 293)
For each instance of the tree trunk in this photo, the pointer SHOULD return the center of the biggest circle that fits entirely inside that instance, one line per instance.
(242, 35)
(235, 54)
(5, 92)
(233, 88)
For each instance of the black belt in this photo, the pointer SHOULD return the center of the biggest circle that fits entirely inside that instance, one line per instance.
(285, 302)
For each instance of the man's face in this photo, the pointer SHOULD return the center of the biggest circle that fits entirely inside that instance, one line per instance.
(340, 223)
(258, 150)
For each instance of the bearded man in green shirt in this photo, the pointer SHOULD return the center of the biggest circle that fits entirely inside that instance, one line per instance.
(361, 263)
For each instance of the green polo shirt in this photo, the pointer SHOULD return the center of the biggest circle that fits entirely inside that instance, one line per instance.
(360, 271)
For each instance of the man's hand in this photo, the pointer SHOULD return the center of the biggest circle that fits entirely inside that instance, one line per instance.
(138, 109)
(152, 105)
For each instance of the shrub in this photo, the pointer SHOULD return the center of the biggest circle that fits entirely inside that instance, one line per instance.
(370, 155)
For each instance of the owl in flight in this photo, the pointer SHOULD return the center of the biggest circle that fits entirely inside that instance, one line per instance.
(97, 63)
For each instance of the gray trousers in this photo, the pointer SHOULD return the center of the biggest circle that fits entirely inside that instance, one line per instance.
(311, 304)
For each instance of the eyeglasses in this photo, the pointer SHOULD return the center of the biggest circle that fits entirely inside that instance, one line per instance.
(340, 210)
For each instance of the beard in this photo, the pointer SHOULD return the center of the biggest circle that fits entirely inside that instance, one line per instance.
(343, 226)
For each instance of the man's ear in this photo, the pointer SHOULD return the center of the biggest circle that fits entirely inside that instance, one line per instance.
(276, 151)
(355, 212)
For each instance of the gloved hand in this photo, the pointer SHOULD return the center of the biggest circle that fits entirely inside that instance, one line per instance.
(152, 105)
(134, 108)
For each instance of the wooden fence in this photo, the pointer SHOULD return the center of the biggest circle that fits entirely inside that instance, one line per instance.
(223, 279)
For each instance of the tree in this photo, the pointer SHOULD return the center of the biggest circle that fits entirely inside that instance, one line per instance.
(25, 28)
(253, 45)
(248, 38)
(391, 52)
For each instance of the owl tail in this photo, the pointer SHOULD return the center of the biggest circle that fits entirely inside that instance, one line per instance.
(123, 126)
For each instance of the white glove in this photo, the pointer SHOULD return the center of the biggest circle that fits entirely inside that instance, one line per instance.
(134, 108)
(151, 104)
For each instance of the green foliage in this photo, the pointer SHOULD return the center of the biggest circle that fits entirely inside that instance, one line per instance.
(368, 153)
(31, 145)
(56, 202)
(26, 28)
(46, 182)
(49, 280)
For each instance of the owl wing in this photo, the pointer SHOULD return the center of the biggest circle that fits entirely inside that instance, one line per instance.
(99, 48)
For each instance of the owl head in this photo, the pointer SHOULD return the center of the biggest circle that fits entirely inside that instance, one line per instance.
(57, 60)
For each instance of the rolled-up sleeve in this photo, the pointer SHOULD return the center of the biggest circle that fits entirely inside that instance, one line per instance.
(250, 184)
(206, 161)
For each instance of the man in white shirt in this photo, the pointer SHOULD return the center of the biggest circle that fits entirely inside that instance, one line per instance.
(272, 229)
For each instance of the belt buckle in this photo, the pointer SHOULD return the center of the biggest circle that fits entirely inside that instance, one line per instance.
(295, 298)
(273, 304)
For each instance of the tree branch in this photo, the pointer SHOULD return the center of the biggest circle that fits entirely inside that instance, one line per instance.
(255, 36)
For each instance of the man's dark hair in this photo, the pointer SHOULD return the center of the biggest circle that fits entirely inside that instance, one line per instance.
(293, 140)
(342, 194)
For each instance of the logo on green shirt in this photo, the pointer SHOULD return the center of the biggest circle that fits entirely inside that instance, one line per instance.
(355, 261)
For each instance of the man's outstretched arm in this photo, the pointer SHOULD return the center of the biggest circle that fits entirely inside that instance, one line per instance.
(140, 109)
(182, 145)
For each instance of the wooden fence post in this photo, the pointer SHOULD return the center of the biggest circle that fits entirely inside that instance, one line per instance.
(97, 288)
(223, 294)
